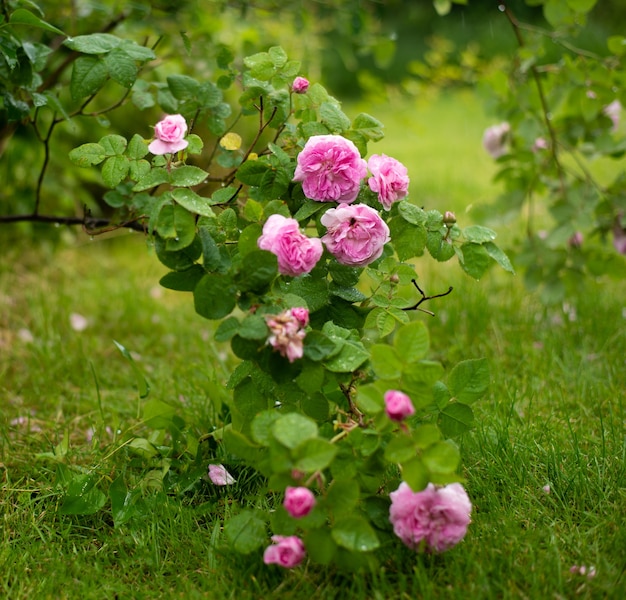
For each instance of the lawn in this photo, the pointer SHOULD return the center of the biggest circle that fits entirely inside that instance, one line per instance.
(544, 466)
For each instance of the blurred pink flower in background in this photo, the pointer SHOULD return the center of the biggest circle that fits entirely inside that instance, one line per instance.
(495, 138)
(287, 332)
(398, 405)
(286, 551)
(356, 234)
(297, 254)
(613, 111)
(390, 179)
(299, 501)
(330, 169)
(435, 518)
(300, 85)
(220, 476)
(169, 135)
(540, 144)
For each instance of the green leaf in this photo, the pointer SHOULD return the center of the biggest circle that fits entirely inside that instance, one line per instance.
(415, 474)
(438, 247)
(442, 457)
(193, 202)
(224, 195)
(442, 7)
(142, 383)
(412, 341)
(93, 43)
(214, 296)
(183, 87)
(183, 281)
(187, 175)
(333, 117)
(227, 329)
(89, 74)
(121, 67)
(385, 361)
(318, 346)
(245, 532)
(351, 356)
(455, 419)
(368, 126)
(114, 145)
(82, 496)
(137, 147)
(469, 380)
(253, 327)
(156, 176)
(251, 172)
(355, 534)
(261, 427)
(479, 234)
(617, 45)
(499, 256)
(314, 454)
(274, 183)
(258, 270)
(87, 155)
(320, 546)
(474, 259)
(114, 170)
(343, 496)
(400, 449)
(125, 503)
(261, 66)
(158, 414)
(177, 226)
(583, 6)
(292, 429)
(21, 16)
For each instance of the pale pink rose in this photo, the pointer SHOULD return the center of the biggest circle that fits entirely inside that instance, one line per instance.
(356, 234)
(330, 169)
(398, 405)
(613, 111)
(434, 519)
(169, 135)
(297, 254)
(287, 332)
(286, 551)
(494, 139)
(299, 501)
(300, 85)
(390, 179)
(220, 476)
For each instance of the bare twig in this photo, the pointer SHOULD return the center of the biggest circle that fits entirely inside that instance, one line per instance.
(425, 298)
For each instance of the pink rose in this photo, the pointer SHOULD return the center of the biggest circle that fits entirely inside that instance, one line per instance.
(330, 169)
(540, 144)
(356, 234)
(398, 405)
(300, 85)
(390, 179)
(435, 518)
(286, 551)
(494, 139)
(220, 476)
(287, 332)
(169, 135)
(299, 501)
(297, 254)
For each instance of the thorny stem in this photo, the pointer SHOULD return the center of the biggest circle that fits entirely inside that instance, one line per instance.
(347, 391)
(425, 298)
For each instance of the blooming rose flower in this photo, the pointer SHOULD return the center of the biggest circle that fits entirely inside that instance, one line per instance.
(287, 332)
(355, 234)
(390, 179)
(398, 405)
(286, 551)
(613, 111)
(494, 139)
(169, 135)
(330, 169)
(220, 476)
(296, 253)
(435, 518)
(300, 85)
(299, 501)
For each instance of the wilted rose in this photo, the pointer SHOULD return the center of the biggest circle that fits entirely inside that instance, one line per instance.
(356, 234)
(169, 135)
(287, 332)
(220, 476)
(330, 169)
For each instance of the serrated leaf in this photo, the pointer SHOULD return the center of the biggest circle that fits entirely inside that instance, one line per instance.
(355, 534)
(499, 256)
(474, 259)
(114, 170)
(479, 234)
(187, 175)
(245, 532)
(292, 429)
(385, 361)
(314, 454)
(333, 117)
(469, 380)
(441, 457)
(89, 74)
(21, 16)
(93, 43)
(87, 155)
(455, 419)
(82, 496)
(121, 67)
(155, 177)
(412, 341)
(214, 296)
(193, 202)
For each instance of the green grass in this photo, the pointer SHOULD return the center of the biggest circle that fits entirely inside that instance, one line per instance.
(554, 415)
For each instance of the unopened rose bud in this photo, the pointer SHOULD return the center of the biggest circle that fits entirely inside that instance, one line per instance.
(394, 278)
(449, 218)
(300, 85)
